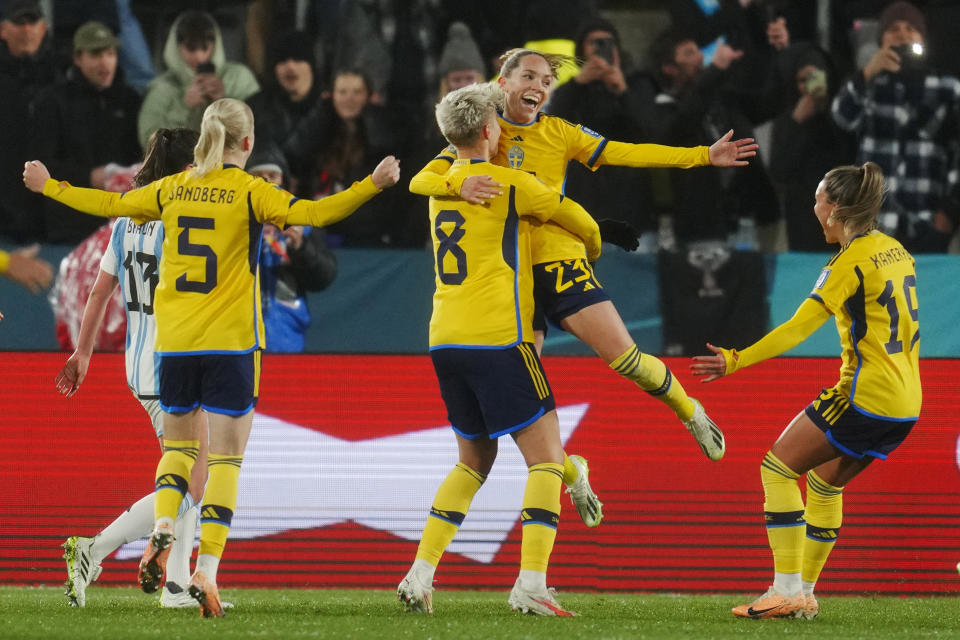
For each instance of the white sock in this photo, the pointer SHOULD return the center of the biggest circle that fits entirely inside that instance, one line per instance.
(424, 570)
(208, 564)
(184, 533)
(787, 584)
(133, 524)
(808, 588)
(533, 580)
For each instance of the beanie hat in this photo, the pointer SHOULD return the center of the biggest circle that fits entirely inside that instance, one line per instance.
(903, 11)
(460, 52)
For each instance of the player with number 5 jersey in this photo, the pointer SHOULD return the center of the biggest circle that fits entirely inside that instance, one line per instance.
(210, 331)
(870, 288)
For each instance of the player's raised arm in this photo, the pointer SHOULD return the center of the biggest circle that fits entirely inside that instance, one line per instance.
(139, 204)
(809, 317)
(280, 208)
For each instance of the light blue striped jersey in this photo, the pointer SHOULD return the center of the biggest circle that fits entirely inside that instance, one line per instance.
(133, 256)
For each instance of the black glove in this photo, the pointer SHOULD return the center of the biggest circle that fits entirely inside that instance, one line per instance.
(619, 233)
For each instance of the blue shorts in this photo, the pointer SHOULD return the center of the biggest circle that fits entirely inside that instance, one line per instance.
(492, 392)
(226, 384)
(852, 432)
(564, 287)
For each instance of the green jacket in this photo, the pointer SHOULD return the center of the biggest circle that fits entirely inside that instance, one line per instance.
(163, 105)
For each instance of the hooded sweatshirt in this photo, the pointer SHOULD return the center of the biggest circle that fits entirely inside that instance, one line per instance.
(164, 104)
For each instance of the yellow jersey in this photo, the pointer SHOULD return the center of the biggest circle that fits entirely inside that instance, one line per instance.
(544, 148)
(483, 273)
(870, 288)
(208, 297)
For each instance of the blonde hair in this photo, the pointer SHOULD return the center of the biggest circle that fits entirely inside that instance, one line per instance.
(462, 113)
(858, 193)
(511, 60)
(226, 122)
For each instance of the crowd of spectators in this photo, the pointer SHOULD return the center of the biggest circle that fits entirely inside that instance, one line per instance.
(337, 84)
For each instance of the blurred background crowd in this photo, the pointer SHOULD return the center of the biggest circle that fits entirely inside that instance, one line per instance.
(337, 84)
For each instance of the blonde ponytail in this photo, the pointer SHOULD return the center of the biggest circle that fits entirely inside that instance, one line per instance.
(226, 122)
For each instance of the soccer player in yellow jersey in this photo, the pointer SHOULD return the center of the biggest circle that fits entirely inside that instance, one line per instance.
(490, 376)
(566, 289)
(207, 304)
(870, 288)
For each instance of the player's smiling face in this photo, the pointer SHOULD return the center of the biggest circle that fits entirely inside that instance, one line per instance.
(527, 88)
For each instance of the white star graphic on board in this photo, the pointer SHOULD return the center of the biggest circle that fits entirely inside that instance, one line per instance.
(298, 478)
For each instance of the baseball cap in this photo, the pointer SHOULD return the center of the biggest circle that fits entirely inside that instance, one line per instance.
(93, 36)
(22, 11)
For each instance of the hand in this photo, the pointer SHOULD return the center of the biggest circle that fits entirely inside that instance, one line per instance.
(807, 106)
(194, 96)
(594, 69)
(480, 189)
(30, 271)
(98, 177)
(35, 175)
(614, 80)
(732, 153)
(883, 60)
(72, 374)
(777, 34)
(294, 236)
(212, 86)
(387, 173)
(714, 367)
(619, 233)
(724, 56)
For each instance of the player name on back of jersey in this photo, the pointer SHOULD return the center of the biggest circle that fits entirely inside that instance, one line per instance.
(212, 195)
(890, 256)
(148, 229)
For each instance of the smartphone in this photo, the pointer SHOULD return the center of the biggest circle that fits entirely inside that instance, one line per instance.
(912, 59)
(603, 48)
(206, 67)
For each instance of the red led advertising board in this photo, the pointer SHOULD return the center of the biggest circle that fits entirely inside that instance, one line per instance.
(347, 452)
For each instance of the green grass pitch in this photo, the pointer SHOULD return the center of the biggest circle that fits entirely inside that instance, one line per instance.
(43, 613)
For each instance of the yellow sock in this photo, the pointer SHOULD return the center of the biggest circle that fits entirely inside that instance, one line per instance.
(219, 502)
(540, 515)
(173, 476)
(450, 506)
(651, 374)
(783, 512)
(824, 515)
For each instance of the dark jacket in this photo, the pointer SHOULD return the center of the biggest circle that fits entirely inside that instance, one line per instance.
(622, 193)
(80, 128)
(21, 79)
(326, 157)
(706, 202)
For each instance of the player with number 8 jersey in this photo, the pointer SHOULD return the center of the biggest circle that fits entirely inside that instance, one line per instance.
(469, 277)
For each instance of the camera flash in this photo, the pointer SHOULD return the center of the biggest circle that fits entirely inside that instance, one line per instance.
(917, 49)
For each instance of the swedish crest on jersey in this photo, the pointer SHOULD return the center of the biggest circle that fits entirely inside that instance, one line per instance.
(515, 156)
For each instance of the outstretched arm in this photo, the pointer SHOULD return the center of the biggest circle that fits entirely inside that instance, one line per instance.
(139, 204)
(75, 369)
(809, 317)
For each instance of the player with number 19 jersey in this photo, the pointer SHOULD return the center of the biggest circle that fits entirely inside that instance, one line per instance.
(870, 287)
(484, 298)
(208, 296)
(133, 256)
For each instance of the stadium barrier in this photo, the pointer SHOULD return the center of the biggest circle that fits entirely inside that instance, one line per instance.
(347, 452)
